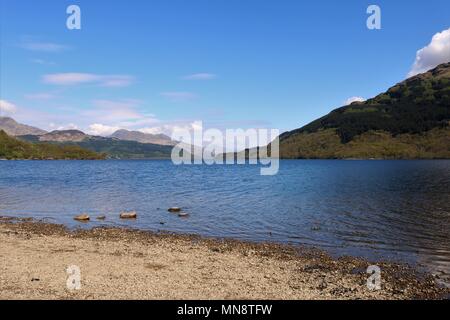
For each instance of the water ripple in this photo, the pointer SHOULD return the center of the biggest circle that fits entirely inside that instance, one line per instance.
(377, 209)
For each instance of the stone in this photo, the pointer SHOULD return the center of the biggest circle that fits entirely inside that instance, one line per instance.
(82, 217)
(183, 214)
(101, 218)
(174, 209)
(128, 215)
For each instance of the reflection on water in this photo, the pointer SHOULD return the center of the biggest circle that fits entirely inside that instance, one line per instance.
(396, 210)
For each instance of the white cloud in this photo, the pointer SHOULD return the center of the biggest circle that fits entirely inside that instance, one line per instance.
(353, 99)
(70, 126)
(98, 129)
(40, 46)
(7, 107)
(68, 79)
(179, 96)
(200, 76)
(437, 52)
(173, 128)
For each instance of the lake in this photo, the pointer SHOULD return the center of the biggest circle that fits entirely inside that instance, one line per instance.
(392, 210)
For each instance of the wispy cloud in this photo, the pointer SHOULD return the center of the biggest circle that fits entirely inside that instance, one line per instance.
(200, 76)
(108, 116)
(70, 79)
(437, 52)
(32, 44)
(177, 96)
(40, 96)
(115, 110)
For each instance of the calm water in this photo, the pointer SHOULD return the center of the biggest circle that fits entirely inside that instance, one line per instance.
(398, 210)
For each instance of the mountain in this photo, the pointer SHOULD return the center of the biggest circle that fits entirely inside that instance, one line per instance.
(75, 142)
(113, 148)
(63, 136)
(13, 148)
(13, 128)
(410, 120)
(141, 137)
(123, 149)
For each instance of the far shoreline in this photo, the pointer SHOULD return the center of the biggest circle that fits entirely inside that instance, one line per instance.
(281, 159)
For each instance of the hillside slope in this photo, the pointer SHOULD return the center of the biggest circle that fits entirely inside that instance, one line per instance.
(63, 136)
(12, 148)
(13, 128)
(112, 147)
(410, 120)
(122, 149)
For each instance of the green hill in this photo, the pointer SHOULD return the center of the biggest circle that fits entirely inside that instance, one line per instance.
(113, 148)
(12, 148)
(123, 149)
(410, 120)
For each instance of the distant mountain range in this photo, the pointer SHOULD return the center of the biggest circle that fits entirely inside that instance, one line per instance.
(13, 128)
(141, 137)
(410, 120)
(122, 144)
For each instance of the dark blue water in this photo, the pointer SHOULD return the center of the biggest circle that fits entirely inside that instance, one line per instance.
(397, 210)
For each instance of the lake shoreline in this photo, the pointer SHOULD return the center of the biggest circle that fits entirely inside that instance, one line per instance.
(285, 159)
(118, 263)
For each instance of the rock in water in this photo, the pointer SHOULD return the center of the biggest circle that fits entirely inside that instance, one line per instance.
(82, 217)
(183, 214)
(101, 217)
(174, 209)
(128, 215)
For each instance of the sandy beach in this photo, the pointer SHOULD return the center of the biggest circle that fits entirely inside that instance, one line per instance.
(129, 264)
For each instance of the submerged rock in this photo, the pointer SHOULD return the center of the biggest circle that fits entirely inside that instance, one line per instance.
(101, 218)
(128, 215)
(174, 209)
(82, 217)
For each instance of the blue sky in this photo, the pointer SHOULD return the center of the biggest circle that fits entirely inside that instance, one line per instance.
(155, 65)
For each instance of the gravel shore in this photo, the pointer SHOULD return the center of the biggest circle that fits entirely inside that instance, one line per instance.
(130, 264)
